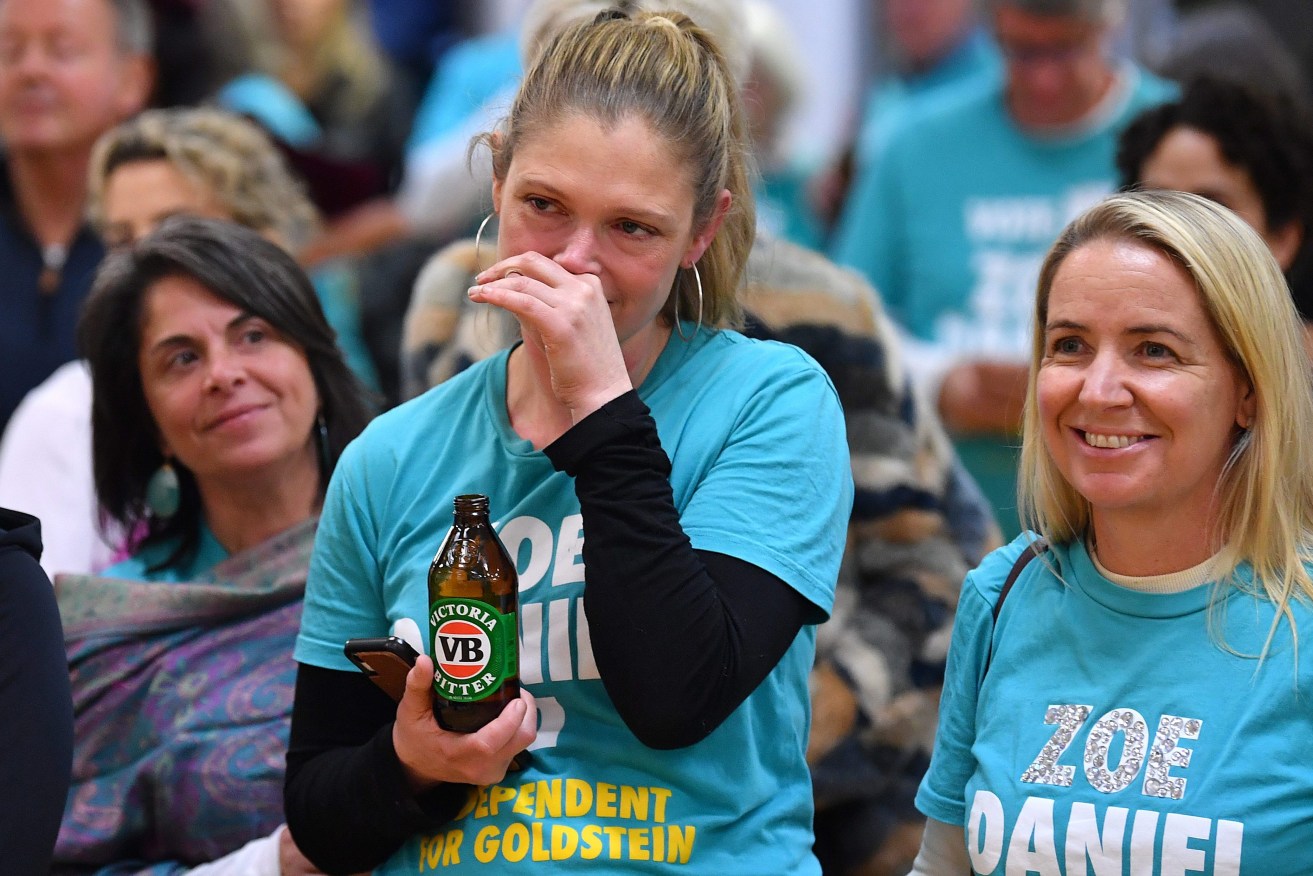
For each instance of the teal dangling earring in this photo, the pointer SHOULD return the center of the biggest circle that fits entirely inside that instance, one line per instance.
(163, 494)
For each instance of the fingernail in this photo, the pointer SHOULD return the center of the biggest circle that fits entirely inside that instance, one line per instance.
(473, 291)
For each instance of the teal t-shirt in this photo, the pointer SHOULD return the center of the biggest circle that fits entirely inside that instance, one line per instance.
(468, 75)
(1114, 732)
(783, 205)
(952, 223)
(209, 553)
(336, 286)
(760, 471)
(975, 60)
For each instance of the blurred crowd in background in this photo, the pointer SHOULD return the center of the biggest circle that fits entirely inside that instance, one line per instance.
(931, 149)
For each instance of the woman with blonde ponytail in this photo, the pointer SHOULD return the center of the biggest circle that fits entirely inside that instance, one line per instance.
(675, 494)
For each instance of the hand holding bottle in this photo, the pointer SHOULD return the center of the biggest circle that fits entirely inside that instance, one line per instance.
(430, 755)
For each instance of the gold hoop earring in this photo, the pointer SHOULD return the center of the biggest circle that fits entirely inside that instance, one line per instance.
(697, 279)
(478, 242)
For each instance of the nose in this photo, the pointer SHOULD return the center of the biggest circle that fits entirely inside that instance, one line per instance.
(1105, 383)
(25, 62)
(223, 371)
(578, 253)
(27, 59)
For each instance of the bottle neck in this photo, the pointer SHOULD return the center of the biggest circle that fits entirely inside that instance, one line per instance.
(470, 510)
(466, 519)
(472, 507)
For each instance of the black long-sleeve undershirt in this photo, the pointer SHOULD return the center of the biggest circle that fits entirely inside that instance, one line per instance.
(681, 638)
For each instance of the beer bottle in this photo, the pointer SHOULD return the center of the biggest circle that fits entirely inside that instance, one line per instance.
(473, 633)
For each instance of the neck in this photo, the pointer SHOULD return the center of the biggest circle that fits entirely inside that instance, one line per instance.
(51, 190)
(1156, 546)
(245, 510)
(535, 413)
(1040, 123)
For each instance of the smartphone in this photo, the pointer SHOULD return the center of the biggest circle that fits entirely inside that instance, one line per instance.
(385, 660)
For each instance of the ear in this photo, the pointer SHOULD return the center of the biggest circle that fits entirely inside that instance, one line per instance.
(1285, 242)
(137, 80)
(707, 233)
(495, 144)
(1247, 409)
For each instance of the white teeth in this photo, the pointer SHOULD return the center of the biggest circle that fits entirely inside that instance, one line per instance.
(1117, 441)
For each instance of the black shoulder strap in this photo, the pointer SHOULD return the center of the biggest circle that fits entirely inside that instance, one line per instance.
(1033, 550)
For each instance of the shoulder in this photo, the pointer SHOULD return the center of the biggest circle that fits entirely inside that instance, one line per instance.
(987, 579)
(397, 429)
(730, 382)
(273, 105)
(60, 405)
(758, 363)
(27, 601)
(477, 61)
(1141, 90)
(1148, 88)
(148, 562)
(143, 565)
(952, 109)
(20, 531)
(67, 392)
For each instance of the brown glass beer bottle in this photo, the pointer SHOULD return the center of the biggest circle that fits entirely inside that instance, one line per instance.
(473, 630)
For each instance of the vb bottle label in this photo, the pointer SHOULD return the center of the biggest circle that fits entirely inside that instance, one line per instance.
(473, 647)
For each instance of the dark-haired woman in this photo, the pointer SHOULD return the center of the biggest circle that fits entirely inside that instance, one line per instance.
(1248, 149)
(221, 404)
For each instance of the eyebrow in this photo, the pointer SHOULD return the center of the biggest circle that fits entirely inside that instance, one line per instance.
(1147, 329)
(180, 340)
(652, 215)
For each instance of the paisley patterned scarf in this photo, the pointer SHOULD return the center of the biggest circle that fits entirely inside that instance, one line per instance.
(181, 695)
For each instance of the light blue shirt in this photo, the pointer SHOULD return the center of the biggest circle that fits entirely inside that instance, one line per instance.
(952, 224)
(1118, 730)
(975, 60)
(760, 471)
